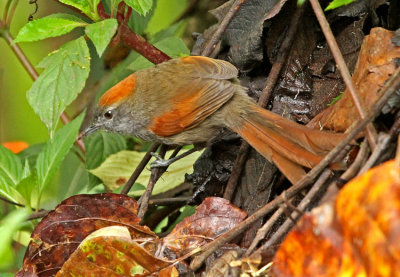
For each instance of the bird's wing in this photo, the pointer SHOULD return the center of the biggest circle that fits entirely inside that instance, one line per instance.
(202, 87)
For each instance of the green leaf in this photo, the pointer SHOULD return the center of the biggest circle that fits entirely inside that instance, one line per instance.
(141, 6)
(117, 169)
(10, 192)
(335, 99)
(88, 7)
(166, 12)
(25, 188)
(49, 26)
(100, 146)
(185, 212)
(10, 166)
(139, 22)
(9, 225)
(114, 4)
(27, 184)
(30, 154)
(65, 74)
(172, 46)
(338, 3)
(54, 152)
(74, 178)
(175, 30)
(101, 33)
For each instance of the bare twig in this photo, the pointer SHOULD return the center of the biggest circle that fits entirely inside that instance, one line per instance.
(155, 175)
(383, 141)
(169, 201)
(11, 13)
(371, 132)
(264, 99)
(5, 199)
(395, 129)
(236, 170)
(397, 158)
(5, 12)
(135, 41)
(390, 87)
(319, 185)
(356, 165)
(208, 49)
(121, 12)
(262, 232)
(128, 15)
(139, 168)
(38, 214)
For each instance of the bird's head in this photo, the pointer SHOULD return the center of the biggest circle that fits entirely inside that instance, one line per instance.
(113, 112)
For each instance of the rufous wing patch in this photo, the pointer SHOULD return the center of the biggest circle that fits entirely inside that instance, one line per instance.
(118, 92)
(178, 119)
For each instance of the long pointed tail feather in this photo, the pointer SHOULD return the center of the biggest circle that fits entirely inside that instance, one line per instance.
(288, 144)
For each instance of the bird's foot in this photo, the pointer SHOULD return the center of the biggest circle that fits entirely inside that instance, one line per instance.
(160, 162)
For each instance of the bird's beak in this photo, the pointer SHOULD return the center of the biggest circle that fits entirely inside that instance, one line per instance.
(91, 129)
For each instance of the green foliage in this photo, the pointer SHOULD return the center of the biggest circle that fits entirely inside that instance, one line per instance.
(88, 7)
(55, 151)
(100, 146)
(9, 225)
(10, 175)
(185, 212)
(335, 99)
(172, 46)
(117, 169)
(101, 33)
(10, 166)
(64, 77)
(165, 13)
(338, 3)
(44, 174)
(141, 6)
(46, 27)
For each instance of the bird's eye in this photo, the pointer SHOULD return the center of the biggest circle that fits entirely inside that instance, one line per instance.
(108, 115)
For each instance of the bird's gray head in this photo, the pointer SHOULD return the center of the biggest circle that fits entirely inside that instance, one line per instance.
(110, 118)
(113, 112)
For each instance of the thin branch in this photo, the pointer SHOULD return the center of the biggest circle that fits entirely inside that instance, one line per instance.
(319, 185)
(128, 15)
(121, 11)
(208, 49)
(139, 168)
(371, 132)
(356, 165)
(5, 13)
(10, 202)
(155, 175)
(397, 158)
(236, 170)
(264, 98)
(169, 201)
(383, 142)
(390, 87)
(11, 13)
(135, 41)
(39, 214)
(262, 232)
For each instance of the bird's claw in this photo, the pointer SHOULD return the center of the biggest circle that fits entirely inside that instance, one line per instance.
(159, 162)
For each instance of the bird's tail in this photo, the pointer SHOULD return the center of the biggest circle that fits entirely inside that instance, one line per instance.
(289, 145)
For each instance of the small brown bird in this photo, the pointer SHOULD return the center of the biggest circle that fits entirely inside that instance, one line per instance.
(187, 100)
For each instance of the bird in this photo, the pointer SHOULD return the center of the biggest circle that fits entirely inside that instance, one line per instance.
(188, 100)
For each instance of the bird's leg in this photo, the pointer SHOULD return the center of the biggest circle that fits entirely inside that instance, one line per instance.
(160, 162)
